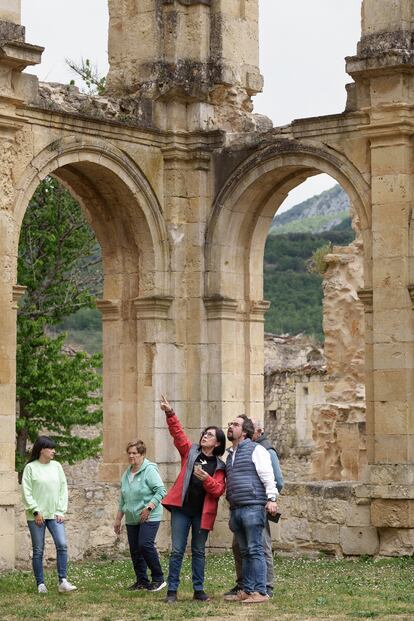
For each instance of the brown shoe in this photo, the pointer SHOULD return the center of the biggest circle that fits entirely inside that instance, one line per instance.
(237, 596)
(255, 598)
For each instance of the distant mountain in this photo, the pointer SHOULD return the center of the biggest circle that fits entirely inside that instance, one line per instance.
(315, 215)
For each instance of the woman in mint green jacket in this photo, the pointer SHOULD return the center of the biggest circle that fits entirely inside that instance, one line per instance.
(45, 498)
(140, 498)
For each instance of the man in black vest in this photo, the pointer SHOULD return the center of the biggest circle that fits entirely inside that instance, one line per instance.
(260, 437)
(251, 492)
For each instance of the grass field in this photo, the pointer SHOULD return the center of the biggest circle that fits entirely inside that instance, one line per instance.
(305, 590)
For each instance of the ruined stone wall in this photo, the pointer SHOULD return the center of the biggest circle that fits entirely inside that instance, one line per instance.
(289, 403)
(339, 423)
(317, 517)
(294, 381)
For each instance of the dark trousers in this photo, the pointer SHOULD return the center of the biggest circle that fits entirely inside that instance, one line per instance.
(141, 539)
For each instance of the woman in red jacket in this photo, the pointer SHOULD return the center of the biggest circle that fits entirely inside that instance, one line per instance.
(193, 499)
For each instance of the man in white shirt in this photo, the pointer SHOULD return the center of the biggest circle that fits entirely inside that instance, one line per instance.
(251, 492)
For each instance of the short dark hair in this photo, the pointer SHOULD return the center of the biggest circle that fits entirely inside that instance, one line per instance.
(41, 442)
(221, 439)
(247, 426)
(139, 445)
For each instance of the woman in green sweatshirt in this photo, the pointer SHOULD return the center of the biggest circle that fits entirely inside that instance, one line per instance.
(141, 493)
(45, 498)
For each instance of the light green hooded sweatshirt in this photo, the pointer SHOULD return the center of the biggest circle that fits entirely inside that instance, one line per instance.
(146, 487)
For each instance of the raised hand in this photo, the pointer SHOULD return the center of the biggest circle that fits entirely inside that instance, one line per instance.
(164, 405)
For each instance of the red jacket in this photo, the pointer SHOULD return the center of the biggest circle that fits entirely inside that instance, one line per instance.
(213, 485)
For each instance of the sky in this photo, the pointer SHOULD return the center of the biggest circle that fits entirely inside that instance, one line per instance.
(303, 44)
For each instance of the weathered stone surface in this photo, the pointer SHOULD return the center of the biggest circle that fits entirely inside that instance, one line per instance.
(295, 529)
(396, 542)
(323, 533)
(359, 540)
(392, 513)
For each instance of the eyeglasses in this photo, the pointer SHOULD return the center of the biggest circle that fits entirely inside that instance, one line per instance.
(208, 434)
(233, 424)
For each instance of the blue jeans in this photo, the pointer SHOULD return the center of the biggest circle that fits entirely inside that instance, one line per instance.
(248, 523)
(180, 528)
(37, 533)
(141, 539)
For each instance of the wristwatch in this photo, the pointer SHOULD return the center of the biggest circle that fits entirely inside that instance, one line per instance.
(271, 499)
(149, 508)
(35, 513)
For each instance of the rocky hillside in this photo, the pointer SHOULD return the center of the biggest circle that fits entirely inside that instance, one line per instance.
(315, 215)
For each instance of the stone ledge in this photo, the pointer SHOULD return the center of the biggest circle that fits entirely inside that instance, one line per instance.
(402, 492)
(341, 490)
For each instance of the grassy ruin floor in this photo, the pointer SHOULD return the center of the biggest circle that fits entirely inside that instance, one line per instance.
(306, 590)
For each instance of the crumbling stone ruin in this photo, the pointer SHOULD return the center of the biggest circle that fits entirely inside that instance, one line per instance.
(180, 182)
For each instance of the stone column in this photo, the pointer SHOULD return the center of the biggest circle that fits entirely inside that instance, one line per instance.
(226, 368)
(393, 339)
(187, 200)
(384, 74)
(254, 356)
(160, 366)
(112, 396)
(8, 478)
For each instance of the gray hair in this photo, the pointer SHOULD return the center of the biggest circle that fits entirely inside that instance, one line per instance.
(258, 424)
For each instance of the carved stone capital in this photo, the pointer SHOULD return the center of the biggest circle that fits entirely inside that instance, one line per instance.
(153, 307)
(110, 309)
(258, 309)
(220, 307)
(366, 295)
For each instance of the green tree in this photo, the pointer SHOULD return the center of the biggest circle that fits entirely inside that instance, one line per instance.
(293, 268)
(59, 265)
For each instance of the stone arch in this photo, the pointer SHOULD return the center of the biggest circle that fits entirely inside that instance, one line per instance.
(245, 205)
(235, 241)
(126, 216)
(101, 176)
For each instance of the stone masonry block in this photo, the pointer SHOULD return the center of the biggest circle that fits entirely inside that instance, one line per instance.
(396, 542)
(295, 529)
(392, 513)
(325, 533)
(359, 540)
(358, 515)
(7, 521)
(7, 552)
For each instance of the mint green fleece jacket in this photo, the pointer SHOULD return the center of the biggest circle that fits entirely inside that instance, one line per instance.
(146, 487)
(44, 489)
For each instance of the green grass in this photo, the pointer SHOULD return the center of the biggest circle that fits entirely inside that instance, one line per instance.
(305, 590)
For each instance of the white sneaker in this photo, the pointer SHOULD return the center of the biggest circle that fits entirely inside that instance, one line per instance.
(41, 588)
(66, 587)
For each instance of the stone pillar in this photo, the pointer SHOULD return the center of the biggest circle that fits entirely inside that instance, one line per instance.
(393, 339)
(160, 366)
(226, 369)
(112, 395)
(384, 74)
(187, 192)
(254, 357)
(8, 478)
(193, 64)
